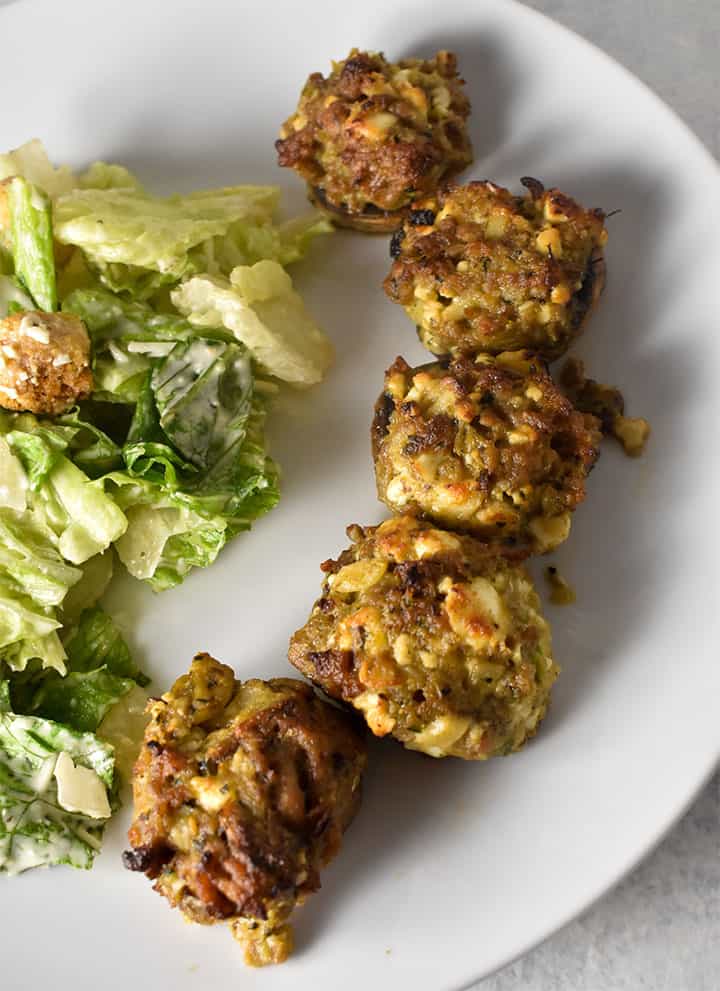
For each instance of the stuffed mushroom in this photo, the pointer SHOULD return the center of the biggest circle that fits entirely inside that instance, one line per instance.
(374, 136)
(242, 793)
(435, 637)
(488, 445)
(478, 269)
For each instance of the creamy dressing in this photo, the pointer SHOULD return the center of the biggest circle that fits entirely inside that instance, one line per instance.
(37, 829)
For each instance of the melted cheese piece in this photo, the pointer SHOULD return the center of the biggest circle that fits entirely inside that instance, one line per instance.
(80, 789)
(438, 736)
(550, 531)
(211, 793)
(357, 577)
(476, 612)
(375, 710)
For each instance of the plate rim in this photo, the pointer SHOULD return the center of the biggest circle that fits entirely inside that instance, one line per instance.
(515, 9)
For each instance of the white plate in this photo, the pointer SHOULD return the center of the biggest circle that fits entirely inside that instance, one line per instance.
(451, 869)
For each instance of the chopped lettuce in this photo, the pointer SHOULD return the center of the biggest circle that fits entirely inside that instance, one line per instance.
(47, 650)
(102, 175)
(36, 829)
(31, 559)
(126, 337)
(13, 298)
(193, 469)
(260, 307)
(96, 642)
(180, 517)
(32, 241)
(84, 519)
(41, 543)
(96, 576)
(32, 163)
(125, 233)
(21, 618)
(35, 577)
(203, 391)
(245, 244)
(99, 671)
(13, 480)
(164, 464)
(164, 542)
(80, 698)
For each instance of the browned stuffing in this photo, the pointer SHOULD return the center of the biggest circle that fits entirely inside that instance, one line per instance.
(242, 792)
(489, 445)
(489, 271)
(373, 136)
(607, 404)
(435, 637)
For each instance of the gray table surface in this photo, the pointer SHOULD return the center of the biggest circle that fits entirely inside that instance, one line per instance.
(660, 929)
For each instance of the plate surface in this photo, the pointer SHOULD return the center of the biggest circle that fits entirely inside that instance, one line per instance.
(450, 869)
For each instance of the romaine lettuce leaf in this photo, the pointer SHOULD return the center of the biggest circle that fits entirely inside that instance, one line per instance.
(80, 699)
(127, 336)
(29, 557)
(245, 244)
(260, 307)
(194, 469)
(164, 542)
(96, 642)
(203, 392)
(35, 828)
(13, 480)
(32, 163)
(85, 520)
(47, 650)
(125, 227)
(88, 446)
(180, 519)
(103, 175)
(31, 233)
(100, 671)
(21, 618)
(96, 576)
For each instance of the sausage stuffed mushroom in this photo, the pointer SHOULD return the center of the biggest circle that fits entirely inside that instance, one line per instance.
(374, 136)
(242, 793)
(489, 445)
(434, 636)
(478, 269)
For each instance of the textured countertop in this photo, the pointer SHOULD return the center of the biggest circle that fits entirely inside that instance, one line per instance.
(660, 929)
